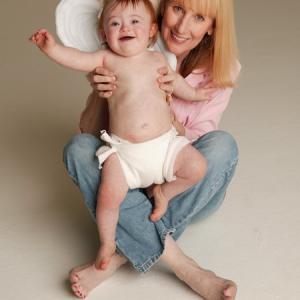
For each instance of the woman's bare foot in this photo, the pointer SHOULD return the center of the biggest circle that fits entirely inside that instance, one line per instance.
(160, 203)
(85, 278)
(204, 282)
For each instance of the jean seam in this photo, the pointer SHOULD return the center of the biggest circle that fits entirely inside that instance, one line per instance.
(144, 267)
(74, 179)
(212, 188)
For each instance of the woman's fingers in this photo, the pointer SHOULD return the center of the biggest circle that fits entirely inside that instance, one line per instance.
(167, 88)
(167, 78)
(103, 71)
(105, 87)
(166, 75)
(105, 94)
(163, 70)
(104, 90)
(100, 79)
(103, 79)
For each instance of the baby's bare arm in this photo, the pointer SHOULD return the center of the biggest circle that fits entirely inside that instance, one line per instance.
(66, 56)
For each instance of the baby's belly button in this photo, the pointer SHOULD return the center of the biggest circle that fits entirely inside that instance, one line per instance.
(145, 125)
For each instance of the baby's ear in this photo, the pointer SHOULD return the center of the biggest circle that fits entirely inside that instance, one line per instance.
(102, 35)
(153, 30)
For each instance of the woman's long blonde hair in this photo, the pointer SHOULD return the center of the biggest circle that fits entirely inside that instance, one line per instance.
(217, 52)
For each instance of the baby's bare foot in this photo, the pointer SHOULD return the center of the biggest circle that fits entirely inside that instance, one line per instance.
(206, 283)
(85, 278)
(105, 253)
(160, 204)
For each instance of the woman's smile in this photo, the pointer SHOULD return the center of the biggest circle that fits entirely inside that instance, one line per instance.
(177, 37)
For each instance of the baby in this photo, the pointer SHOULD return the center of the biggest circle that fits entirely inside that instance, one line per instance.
(144, 148)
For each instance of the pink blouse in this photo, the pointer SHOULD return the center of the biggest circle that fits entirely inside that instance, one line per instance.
(201, 117)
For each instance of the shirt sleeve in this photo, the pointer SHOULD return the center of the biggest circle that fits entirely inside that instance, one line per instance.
(199, 118)
(207, 116)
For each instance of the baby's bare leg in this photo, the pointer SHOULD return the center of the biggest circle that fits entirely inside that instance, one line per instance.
(203, 282)
(112, 191)
(189, 169)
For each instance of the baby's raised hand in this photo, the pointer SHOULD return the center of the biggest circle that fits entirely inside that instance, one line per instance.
(105, 253)
(43, 39)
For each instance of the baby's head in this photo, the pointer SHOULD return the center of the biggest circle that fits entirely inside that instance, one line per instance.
(128, 26)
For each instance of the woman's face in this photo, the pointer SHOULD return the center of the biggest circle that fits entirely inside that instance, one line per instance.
(183, 29)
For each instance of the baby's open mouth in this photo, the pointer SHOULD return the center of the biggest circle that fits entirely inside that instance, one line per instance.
(126, 38)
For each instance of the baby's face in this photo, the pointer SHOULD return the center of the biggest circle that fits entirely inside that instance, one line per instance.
(128, 29)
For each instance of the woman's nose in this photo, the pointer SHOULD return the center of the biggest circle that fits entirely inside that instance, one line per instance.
(182, 24)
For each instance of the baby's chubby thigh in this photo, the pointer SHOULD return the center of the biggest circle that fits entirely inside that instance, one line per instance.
(113, 182)
(190, 164)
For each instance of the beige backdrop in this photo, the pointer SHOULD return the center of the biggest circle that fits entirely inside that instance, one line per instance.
(44, 227)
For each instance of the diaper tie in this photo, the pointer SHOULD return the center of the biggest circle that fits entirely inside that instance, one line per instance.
(107, 138)
(105, 151)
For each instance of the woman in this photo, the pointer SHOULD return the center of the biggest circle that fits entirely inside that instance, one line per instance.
(201, 35)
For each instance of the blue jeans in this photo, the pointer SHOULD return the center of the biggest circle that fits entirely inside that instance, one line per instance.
(137, 238)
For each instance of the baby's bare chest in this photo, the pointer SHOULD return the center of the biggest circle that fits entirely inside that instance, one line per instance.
(136, 73)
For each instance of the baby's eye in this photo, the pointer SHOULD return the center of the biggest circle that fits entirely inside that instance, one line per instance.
(135, 21)
(114, 23)
(199, 18)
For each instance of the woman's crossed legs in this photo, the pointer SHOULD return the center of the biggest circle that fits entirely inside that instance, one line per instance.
(220, 151)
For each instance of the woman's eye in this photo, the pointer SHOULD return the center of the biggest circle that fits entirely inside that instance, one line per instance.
(199, 18)
(177, 8)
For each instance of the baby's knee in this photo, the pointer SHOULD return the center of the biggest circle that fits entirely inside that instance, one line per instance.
(198, 168)
(220, 149)
(201, 168)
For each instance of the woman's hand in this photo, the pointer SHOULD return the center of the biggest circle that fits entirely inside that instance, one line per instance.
(178, 126)
(166, 81)
(103, 81)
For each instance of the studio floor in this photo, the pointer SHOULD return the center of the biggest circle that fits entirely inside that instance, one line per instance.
(45, 229)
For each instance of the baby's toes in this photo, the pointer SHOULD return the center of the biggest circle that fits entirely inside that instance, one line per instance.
(77, 290)
(73, 277)
(157, 214)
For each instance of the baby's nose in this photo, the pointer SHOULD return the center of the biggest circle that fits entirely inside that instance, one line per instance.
(125, 27)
